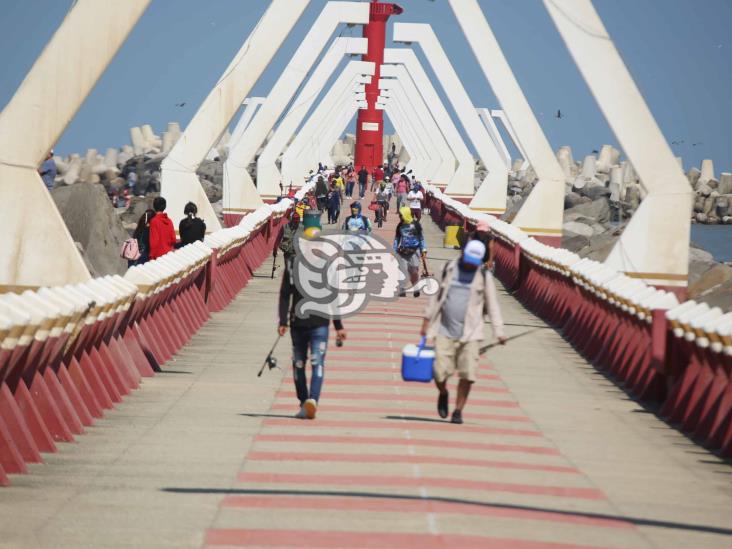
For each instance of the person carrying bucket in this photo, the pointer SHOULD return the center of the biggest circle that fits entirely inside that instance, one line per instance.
(454, 318)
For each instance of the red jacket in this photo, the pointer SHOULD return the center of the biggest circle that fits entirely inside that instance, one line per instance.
(162, 235)
(378, 173)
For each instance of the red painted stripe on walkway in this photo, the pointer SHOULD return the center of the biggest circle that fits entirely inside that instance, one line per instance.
(391, 397)
(343, 367)
(383, 330)
(411, 459)
(401, 425)
(403, 412)
(383, 339)
(429, 482)
(400, 505)
(364, 349)
(366, 540)
(421, 386)
(392, 441)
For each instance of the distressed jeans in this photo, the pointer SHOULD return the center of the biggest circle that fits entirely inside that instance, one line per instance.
(316, 341)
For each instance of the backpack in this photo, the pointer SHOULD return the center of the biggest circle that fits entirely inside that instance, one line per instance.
(409, 240)
(130, 250)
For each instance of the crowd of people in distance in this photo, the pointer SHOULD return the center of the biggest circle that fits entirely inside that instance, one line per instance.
(454, 316)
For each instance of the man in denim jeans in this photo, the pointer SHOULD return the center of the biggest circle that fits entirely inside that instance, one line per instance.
(307, 334)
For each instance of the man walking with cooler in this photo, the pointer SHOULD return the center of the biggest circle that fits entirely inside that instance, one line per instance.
(454, 317)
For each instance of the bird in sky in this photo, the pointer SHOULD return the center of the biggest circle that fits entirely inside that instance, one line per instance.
(697, 143)
(559, 113)
(183, 104)
(677, 142)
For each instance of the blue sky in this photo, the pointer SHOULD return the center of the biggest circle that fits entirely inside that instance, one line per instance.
(678, 51)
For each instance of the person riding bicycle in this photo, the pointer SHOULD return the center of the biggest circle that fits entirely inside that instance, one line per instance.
(357, 223)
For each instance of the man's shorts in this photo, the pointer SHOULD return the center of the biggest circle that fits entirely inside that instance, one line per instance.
(409, 262)
(452, 354)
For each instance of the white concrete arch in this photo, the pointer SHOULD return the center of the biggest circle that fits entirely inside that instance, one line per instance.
(446, 167)
(42, 252)
(294, 161)
(243, 152)
(496, 182)
(418, 156)
(180, 183)
(490, 125)
(655, 245)
(462, 180)
(267, 172)
(417, 114)
(500, 115)
(542, 213)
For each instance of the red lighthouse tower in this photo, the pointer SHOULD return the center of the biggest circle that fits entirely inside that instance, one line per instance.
(370, 124)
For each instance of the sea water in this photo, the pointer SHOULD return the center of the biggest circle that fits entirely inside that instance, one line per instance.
(716, 239)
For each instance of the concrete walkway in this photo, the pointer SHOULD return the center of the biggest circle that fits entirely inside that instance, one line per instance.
(206, 454)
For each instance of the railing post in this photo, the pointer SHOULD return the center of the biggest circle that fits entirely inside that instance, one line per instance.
(659, 340)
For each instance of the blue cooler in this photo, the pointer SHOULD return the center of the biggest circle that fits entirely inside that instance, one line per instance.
(417, 362)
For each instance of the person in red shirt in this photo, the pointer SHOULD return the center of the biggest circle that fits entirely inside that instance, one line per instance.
(162, 233)
(378, 177)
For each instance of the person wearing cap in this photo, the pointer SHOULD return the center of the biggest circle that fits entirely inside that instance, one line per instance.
(309, 336)
(48, 171)
(454, 318)
(483, 234)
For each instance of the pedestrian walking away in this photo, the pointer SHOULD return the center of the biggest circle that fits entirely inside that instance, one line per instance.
(401, 183)
(363, 179)
(454, 319)
(410, 247)
(309, 337)
(191, 228)
(321, 193)
(334, 204)
(162, 233)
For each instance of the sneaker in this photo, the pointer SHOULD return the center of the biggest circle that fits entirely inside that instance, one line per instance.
(310, 407)
(402, 294)
(416, 293)
(301, 413)
(457, 417)
(443, 400)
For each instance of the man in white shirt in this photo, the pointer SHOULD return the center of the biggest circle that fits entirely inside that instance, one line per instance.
(414, 199)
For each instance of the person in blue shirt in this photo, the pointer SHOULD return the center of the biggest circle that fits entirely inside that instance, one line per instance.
(357, 223)
(410, 247)
(48, 171)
